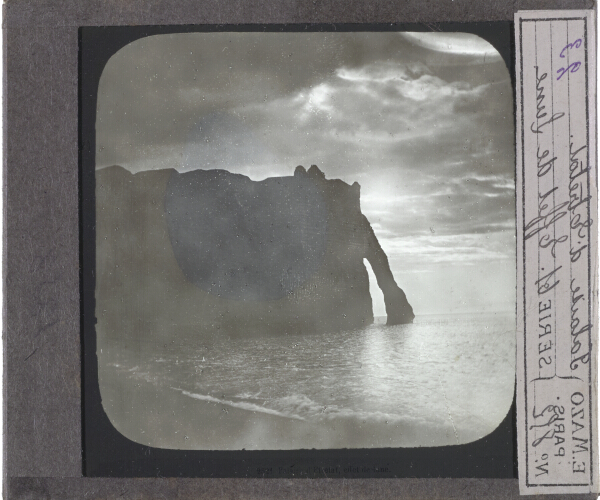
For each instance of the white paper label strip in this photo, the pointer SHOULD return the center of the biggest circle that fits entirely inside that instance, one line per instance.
(557, 252)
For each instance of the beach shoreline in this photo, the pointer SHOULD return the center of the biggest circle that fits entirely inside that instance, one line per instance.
(166, 418)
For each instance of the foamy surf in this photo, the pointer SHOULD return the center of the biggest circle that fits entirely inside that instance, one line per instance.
(301, 407)
(236, 404)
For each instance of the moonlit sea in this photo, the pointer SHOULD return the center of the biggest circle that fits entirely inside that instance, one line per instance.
(445, 379)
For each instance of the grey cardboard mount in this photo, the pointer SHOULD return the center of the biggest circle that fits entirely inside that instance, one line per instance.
(42, 391)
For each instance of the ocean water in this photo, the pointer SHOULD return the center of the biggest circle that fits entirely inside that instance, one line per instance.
(445, 379)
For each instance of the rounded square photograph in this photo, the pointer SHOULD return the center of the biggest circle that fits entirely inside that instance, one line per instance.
(305, 240)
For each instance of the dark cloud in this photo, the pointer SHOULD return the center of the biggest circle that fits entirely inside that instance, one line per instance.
(156, 85)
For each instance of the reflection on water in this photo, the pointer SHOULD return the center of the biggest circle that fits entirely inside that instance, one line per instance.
(442, 372)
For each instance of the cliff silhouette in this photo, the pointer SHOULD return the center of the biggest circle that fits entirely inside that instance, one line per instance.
(208, 250)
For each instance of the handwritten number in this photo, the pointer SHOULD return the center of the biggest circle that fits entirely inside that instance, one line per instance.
(573, 67)
(575, 45)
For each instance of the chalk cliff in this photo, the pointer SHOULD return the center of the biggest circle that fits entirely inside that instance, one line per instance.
(211, 251)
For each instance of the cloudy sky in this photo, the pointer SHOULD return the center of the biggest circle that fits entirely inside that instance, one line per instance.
(423, 121)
